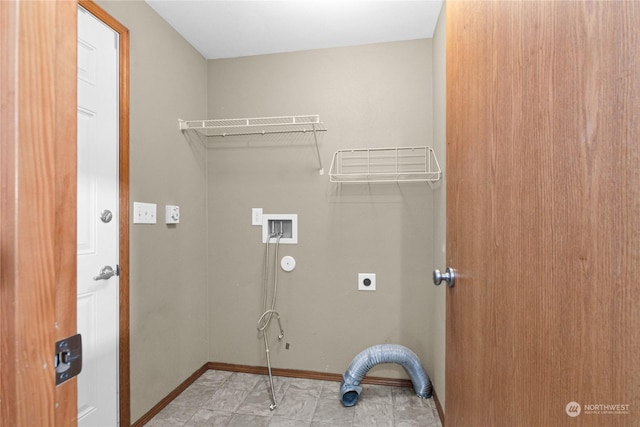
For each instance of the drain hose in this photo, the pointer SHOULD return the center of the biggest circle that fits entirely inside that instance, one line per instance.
(383, 353)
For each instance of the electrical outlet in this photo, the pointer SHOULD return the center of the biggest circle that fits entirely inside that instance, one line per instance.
(366, 281)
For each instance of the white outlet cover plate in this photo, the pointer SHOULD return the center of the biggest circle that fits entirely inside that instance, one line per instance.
(361, 281)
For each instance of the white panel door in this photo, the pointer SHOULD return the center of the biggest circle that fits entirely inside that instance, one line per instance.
(97, 220)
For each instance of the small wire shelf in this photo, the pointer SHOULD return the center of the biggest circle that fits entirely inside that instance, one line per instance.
(395, 164)
(254, 126)
(257, 126)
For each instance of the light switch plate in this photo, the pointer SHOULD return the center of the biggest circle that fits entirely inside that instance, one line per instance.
(144, 213)
(256, 216)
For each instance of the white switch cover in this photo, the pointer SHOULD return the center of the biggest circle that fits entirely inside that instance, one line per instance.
(144, 213)
(172, 214)
(256, 216)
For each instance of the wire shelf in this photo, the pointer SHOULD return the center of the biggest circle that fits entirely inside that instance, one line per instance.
(257, 126)
(254, 126)
(395, 164)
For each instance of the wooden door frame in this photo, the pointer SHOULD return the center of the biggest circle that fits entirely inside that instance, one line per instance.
(123, 363)
(38, 176)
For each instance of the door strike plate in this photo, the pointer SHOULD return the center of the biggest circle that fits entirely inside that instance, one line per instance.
(68, 358)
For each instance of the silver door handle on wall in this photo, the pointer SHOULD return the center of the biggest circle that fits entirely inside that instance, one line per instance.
(106, 272)
(449, 276)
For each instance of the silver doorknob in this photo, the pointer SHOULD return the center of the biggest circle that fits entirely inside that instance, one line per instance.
(449, 276)
(107, 272)
(105, 216)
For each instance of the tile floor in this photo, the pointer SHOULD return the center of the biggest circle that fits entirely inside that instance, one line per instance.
(221, 398)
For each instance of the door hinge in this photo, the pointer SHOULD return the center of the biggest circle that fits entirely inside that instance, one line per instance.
(68, 358)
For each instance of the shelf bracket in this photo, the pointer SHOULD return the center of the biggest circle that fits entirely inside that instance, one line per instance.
(315, 138)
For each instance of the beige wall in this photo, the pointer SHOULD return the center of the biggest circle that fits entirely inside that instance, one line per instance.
(369, 96)
(168, 310)
(205, 308)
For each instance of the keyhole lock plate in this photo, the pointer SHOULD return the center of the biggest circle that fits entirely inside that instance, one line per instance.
(68, 358)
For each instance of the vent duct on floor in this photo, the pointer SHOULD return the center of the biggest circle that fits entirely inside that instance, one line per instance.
(350, 388)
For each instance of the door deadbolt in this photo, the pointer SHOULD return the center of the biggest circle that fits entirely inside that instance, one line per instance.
(106, 216)
(449, 276)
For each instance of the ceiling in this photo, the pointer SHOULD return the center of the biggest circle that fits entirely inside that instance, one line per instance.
(234, 28)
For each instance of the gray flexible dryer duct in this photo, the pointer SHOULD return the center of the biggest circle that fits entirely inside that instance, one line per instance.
(383, 353)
